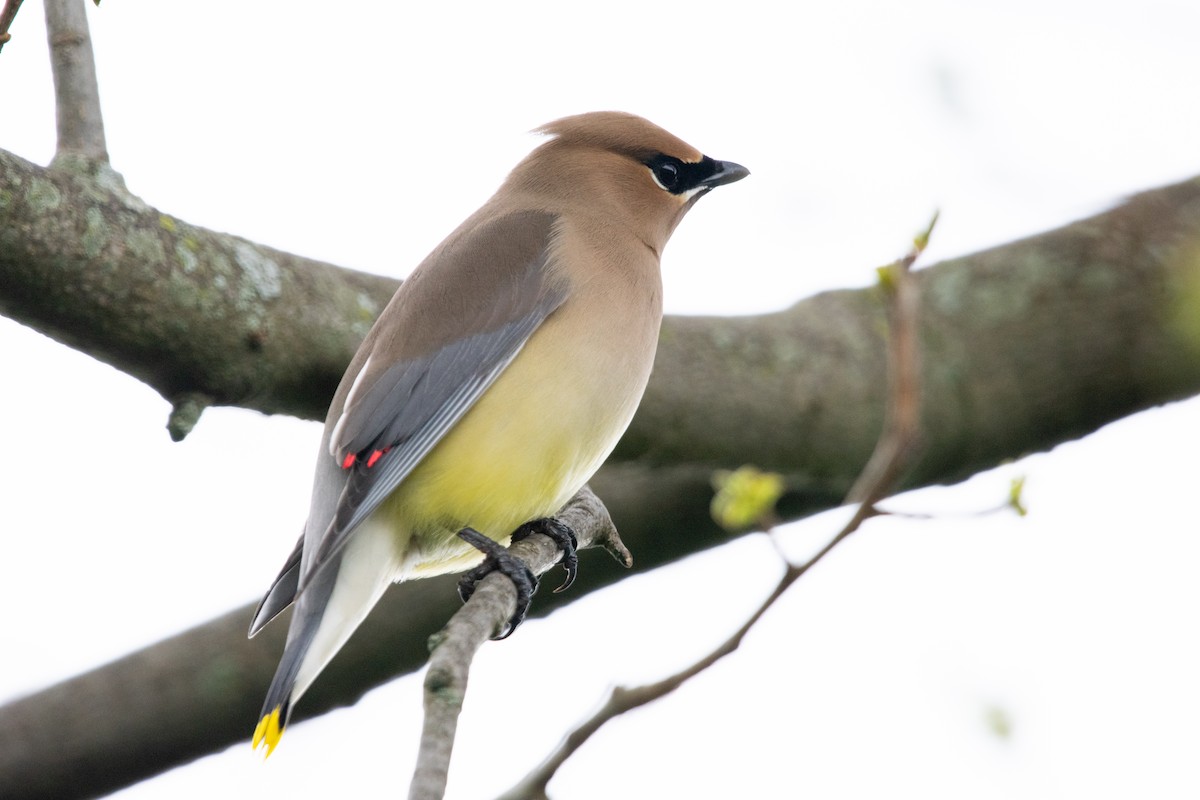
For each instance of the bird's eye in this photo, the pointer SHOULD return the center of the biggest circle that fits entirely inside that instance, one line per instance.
(667, 174)
(671, 174)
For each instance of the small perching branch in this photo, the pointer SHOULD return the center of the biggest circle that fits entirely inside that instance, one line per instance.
(893, 451)
(76, 92)
(7, 15)
(483, 616)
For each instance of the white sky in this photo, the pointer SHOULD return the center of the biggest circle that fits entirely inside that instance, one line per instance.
(362, 133)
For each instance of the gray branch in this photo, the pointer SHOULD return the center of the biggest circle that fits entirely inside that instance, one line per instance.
(484, 615)
(76, 92)
(1040, 340)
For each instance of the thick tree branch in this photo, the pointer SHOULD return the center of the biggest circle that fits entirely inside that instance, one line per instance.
(204, 318)
(1028, 344)
(76, 92)
(1025, 346)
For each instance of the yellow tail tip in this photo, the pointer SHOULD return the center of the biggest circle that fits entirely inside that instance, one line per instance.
(269, 731)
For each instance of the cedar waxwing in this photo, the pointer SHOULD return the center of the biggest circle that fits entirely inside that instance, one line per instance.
(493, 385)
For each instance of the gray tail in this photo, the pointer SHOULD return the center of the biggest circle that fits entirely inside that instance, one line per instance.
(310, 608)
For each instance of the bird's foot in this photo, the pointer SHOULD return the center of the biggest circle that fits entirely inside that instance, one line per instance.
(562, 535)
(498, 559)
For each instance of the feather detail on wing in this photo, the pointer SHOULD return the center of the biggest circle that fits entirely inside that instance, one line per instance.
(431, 356)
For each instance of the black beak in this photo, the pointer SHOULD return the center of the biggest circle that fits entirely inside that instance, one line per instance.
(727, 172)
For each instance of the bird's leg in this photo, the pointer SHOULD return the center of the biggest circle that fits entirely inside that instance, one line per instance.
(562, 535)
(498, 559)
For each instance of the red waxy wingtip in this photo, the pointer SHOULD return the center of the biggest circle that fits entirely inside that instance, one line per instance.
(348, 462)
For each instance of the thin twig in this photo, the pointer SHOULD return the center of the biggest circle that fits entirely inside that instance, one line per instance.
(894, 448)
(76, 92)
(482, 617)
(902, 417)
(7, 15)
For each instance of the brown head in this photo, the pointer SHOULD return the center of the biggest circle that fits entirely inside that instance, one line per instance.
(622, 166)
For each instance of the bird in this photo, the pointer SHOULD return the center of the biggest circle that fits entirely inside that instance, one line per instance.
(492, 386)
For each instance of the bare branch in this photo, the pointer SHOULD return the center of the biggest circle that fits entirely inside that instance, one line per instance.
(7, 15)
(77, 94)
(879, 478)
(486, 613)
(1058, 334)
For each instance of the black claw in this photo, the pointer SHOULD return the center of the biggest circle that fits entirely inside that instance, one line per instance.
(498, 559)
(563, 536)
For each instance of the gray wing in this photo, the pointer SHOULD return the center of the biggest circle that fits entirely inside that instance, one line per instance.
(452, 328)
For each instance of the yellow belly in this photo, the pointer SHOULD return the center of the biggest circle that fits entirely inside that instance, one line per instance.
(528, 444)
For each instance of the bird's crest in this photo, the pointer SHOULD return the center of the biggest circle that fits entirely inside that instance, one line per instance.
(619, 132)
